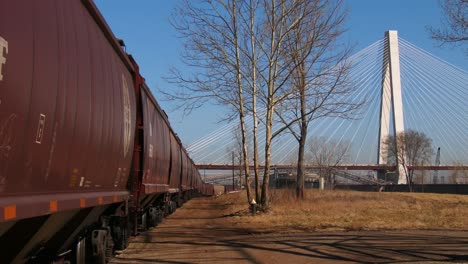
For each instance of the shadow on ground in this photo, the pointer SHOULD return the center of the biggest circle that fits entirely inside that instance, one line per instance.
(204, 237)
(215, 245)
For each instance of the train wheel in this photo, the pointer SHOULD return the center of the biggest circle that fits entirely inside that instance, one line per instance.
(144, 222)
(120, 232)
(160, 216)
(102, 246)
(122, 235)
(109, 247)
(152, 217)
(80, 251)
(171, 208)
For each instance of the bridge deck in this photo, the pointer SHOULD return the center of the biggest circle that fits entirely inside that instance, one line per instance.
(338, 167)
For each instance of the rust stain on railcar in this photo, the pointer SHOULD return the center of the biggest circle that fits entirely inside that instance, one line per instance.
(7, 137)
(74, 178)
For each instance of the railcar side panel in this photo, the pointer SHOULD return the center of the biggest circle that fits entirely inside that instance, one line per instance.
(67, 110)
(157, 147)
(15, 87)
(186, 166)
(197, 179)
(176, 164)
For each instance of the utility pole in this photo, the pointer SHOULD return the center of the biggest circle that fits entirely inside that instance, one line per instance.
(437, 163)
(233, 170)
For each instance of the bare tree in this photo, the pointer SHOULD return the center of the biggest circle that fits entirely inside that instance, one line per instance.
(275, 69)
(326, 154)
(455, 24)
(234, 56)
(409, 148)
(213, 47)
(320, 73)
(242, 54)
(251, 32)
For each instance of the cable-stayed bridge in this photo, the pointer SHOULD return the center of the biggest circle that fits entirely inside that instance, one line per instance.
(404, 87)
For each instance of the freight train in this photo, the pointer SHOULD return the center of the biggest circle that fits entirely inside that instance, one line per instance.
(87, 156)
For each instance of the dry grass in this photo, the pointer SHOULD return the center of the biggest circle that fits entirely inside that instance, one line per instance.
(348, 210)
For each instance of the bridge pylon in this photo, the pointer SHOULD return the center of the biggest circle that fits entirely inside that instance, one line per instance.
(391, 106)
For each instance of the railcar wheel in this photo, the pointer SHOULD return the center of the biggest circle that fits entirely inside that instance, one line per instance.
(171, 209)
(120, 232)
(121, 241)
(80, 251)
(143, 222)
(160, 216)
(152, 217)
(167, 209)
(102, 246)
(109, 247)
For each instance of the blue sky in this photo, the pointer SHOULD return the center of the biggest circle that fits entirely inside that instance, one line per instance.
(145, 28)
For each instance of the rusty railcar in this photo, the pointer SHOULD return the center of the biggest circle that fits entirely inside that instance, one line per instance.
(86, 153)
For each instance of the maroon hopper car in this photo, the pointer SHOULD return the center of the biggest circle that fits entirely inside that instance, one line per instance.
(86, 154)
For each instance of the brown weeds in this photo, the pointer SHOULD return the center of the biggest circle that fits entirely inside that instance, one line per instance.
(348, 210)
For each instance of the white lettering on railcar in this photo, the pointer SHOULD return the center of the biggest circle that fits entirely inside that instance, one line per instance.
(126, 115)
(117, 177)
(150, 114)
(150, 151)
(3, 47)
(40, 128)
(150, 129)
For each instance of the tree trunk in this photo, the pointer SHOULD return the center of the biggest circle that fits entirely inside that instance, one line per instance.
(272, 74)
(244, 147)
(266, 174)
(303, 136)
(241, 103)
(255, 132)
(302, 142)
(254, 102)
(246, 160)
(300, 163)
(300, 172)
(411, 180)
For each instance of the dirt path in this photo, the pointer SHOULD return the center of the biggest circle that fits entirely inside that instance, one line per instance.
(203, 231)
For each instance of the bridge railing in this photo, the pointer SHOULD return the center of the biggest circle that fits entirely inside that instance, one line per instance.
(373, 167)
